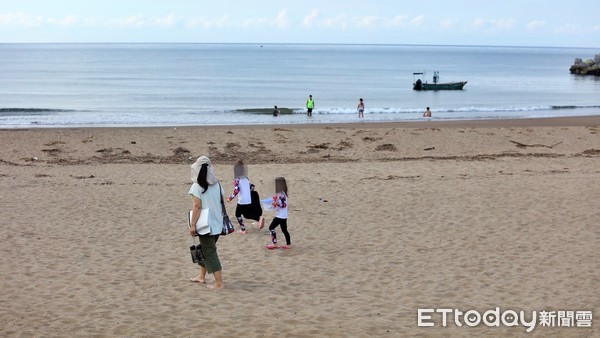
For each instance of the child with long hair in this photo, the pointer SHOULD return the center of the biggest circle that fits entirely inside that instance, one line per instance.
(280, 204)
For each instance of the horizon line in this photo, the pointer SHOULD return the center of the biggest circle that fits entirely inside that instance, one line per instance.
(293, 43)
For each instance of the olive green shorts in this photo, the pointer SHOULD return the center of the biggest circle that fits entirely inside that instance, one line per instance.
(209, 250)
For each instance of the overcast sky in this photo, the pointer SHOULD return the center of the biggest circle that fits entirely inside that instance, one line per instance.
(574, 23)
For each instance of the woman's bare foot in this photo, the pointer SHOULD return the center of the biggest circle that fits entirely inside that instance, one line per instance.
(261, 222)
(197, 280)
(215, 286)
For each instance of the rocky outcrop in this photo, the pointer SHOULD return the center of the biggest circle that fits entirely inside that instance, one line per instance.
(587, 67)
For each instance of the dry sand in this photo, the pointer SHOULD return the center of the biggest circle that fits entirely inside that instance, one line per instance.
(385, 219)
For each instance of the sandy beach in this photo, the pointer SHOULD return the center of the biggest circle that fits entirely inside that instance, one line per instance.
(385, 219)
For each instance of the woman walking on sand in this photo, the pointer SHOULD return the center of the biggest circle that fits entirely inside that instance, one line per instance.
(207, 194)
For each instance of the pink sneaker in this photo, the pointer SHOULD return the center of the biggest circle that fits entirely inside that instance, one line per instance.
(286, 247)
(272, 246)
(243, 232)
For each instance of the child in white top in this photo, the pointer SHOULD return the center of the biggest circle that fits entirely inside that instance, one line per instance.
(280, 203)
(242, 189)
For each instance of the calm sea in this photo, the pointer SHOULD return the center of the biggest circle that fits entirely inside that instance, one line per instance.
(64, 85)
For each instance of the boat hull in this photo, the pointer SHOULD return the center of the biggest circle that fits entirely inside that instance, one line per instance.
(440, 86)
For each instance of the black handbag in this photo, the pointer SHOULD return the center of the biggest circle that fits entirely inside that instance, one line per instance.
(227, 226)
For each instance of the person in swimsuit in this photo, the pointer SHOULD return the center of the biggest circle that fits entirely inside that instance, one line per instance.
(361, 108)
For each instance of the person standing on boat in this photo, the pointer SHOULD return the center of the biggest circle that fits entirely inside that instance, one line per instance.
(361, 108)
(427, 113)
(310, 105)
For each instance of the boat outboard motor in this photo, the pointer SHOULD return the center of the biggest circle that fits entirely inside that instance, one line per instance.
(419, 84)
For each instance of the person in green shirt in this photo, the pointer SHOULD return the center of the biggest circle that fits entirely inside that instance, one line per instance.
(310, 105)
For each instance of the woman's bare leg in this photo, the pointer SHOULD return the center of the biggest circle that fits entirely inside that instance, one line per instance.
(218, 281)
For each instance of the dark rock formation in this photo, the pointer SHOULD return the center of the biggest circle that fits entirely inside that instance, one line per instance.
(587, 67)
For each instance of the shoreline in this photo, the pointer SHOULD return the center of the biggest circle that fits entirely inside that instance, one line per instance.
(302, 143)
(562, 121)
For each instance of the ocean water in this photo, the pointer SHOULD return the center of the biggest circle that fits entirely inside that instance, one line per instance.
(65, 85)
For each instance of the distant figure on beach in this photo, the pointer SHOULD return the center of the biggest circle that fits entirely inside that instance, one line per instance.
(280, 204)
(242, 189)
(207, 193)
(310, 105)
(276, 112)
(361, 108)
(427, 113)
